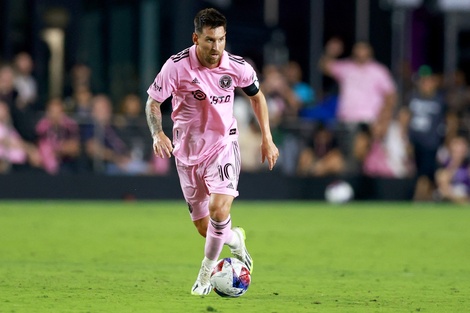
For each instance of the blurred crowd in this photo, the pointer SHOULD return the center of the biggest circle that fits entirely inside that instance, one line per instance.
(82, 131)
(360, 124)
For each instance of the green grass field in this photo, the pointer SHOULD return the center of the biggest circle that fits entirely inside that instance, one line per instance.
(309, 257)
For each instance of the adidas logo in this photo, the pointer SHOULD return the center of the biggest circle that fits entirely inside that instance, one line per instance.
(230, 186)
(195, 81)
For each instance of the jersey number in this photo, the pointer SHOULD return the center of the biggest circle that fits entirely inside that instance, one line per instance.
(226, 172)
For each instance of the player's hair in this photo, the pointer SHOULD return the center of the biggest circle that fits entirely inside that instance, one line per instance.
(209, 17)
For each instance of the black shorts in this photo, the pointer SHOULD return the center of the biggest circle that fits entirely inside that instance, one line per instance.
(425, 161)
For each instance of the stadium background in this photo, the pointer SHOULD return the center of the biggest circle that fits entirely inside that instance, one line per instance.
(126, 42)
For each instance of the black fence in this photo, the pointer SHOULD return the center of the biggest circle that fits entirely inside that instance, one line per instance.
(261, 186)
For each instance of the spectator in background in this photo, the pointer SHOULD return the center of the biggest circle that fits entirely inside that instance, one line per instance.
(25, 83)
(8, 92)
(131, 123)
(22, 116)
(12, 150)
(458, 100)
(320, 156)
(80, 77)
(79, 104)
(303, 92)
(105, 149)
(131, 126)
(282, 102)
(453, 176)
(15, 153)
(79, 93)
(58, 139)
(367, 94)
(426, 110)
(388, 153)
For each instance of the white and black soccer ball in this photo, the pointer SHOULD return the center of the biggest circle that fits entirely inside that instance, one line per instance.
(230, 278)
(339, 192)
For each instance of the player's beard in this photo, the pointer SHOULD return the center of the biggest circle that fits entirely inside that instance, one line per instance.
(211, 60)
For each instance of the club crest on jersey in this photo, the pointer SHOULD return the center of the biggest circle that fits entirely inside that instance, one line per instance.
(225, 82)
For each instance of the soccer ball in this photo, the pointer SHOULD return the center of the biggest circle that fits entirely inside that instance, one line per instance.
(339, 192)
(230, 278)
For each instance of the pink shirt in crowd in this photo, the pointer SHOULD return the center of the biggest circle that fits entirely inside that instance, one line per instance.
(202, 101)
(362, 89)
(11, 145)
(51, 136)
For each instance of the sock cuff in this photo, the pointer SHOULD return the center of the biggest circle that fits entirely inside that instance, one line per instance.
(208, 262)
(220, 225)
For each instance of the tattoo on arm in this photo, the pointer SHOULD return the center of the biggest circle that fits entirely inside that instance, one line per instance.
(154, 116)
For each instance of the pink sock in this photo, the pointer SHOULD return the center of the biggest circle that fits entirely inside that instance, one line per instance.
(218, 233)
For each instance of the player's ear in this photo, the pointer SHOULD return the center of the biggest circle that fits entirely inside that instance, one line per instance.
(195, 38)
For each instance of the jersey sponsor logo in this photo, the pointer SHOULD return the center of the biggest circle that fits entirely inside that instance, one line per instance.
(220, 99)
(156, 87)
(225, 82)
(199, 95)
(233, 131)
(195, 81)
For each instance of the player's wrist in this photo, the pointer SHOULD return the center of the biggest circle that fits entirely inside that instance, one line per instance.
(156, 134)
(267, 138)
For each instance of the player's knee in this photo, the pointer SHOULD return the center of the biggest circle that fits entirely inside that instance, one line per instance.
(219, 209)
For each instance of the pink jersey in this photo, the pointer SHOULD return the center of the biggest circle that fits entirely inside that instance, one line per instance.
(202, 101)
(362, 89)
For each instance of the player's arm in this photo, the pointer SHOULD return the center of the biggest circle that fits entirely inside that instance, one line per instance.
(161, 143)
(269, 150)
(333, 49)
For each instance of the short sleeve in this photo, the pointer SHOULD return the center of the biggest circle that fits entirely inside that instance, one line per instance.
(165, 82)
(249, 80)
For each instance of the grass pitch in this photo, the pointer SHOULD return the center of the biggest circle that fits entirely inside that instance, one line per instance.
(309, 257)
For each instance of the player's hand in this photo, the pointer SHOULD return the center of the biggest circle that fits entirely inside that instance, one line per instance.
(162, 146)
(269, 152)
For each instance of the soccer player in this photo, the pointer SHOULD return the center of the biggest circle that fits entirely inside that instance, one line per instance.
(202, 79)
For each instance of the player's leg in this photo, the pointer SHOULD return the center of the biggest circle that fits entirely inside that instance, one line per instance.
(197, 197)
(220, 232)
(215, 227)
(201, 225)
(222, 174)
(220, 177)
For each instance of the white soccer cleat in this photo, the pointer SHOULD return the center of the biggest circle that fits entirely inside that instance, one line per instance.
(202, 286)
(241, 252)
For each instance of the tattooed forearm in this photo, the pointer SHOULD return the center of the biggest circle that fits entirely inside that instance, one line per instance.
(154, 116)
